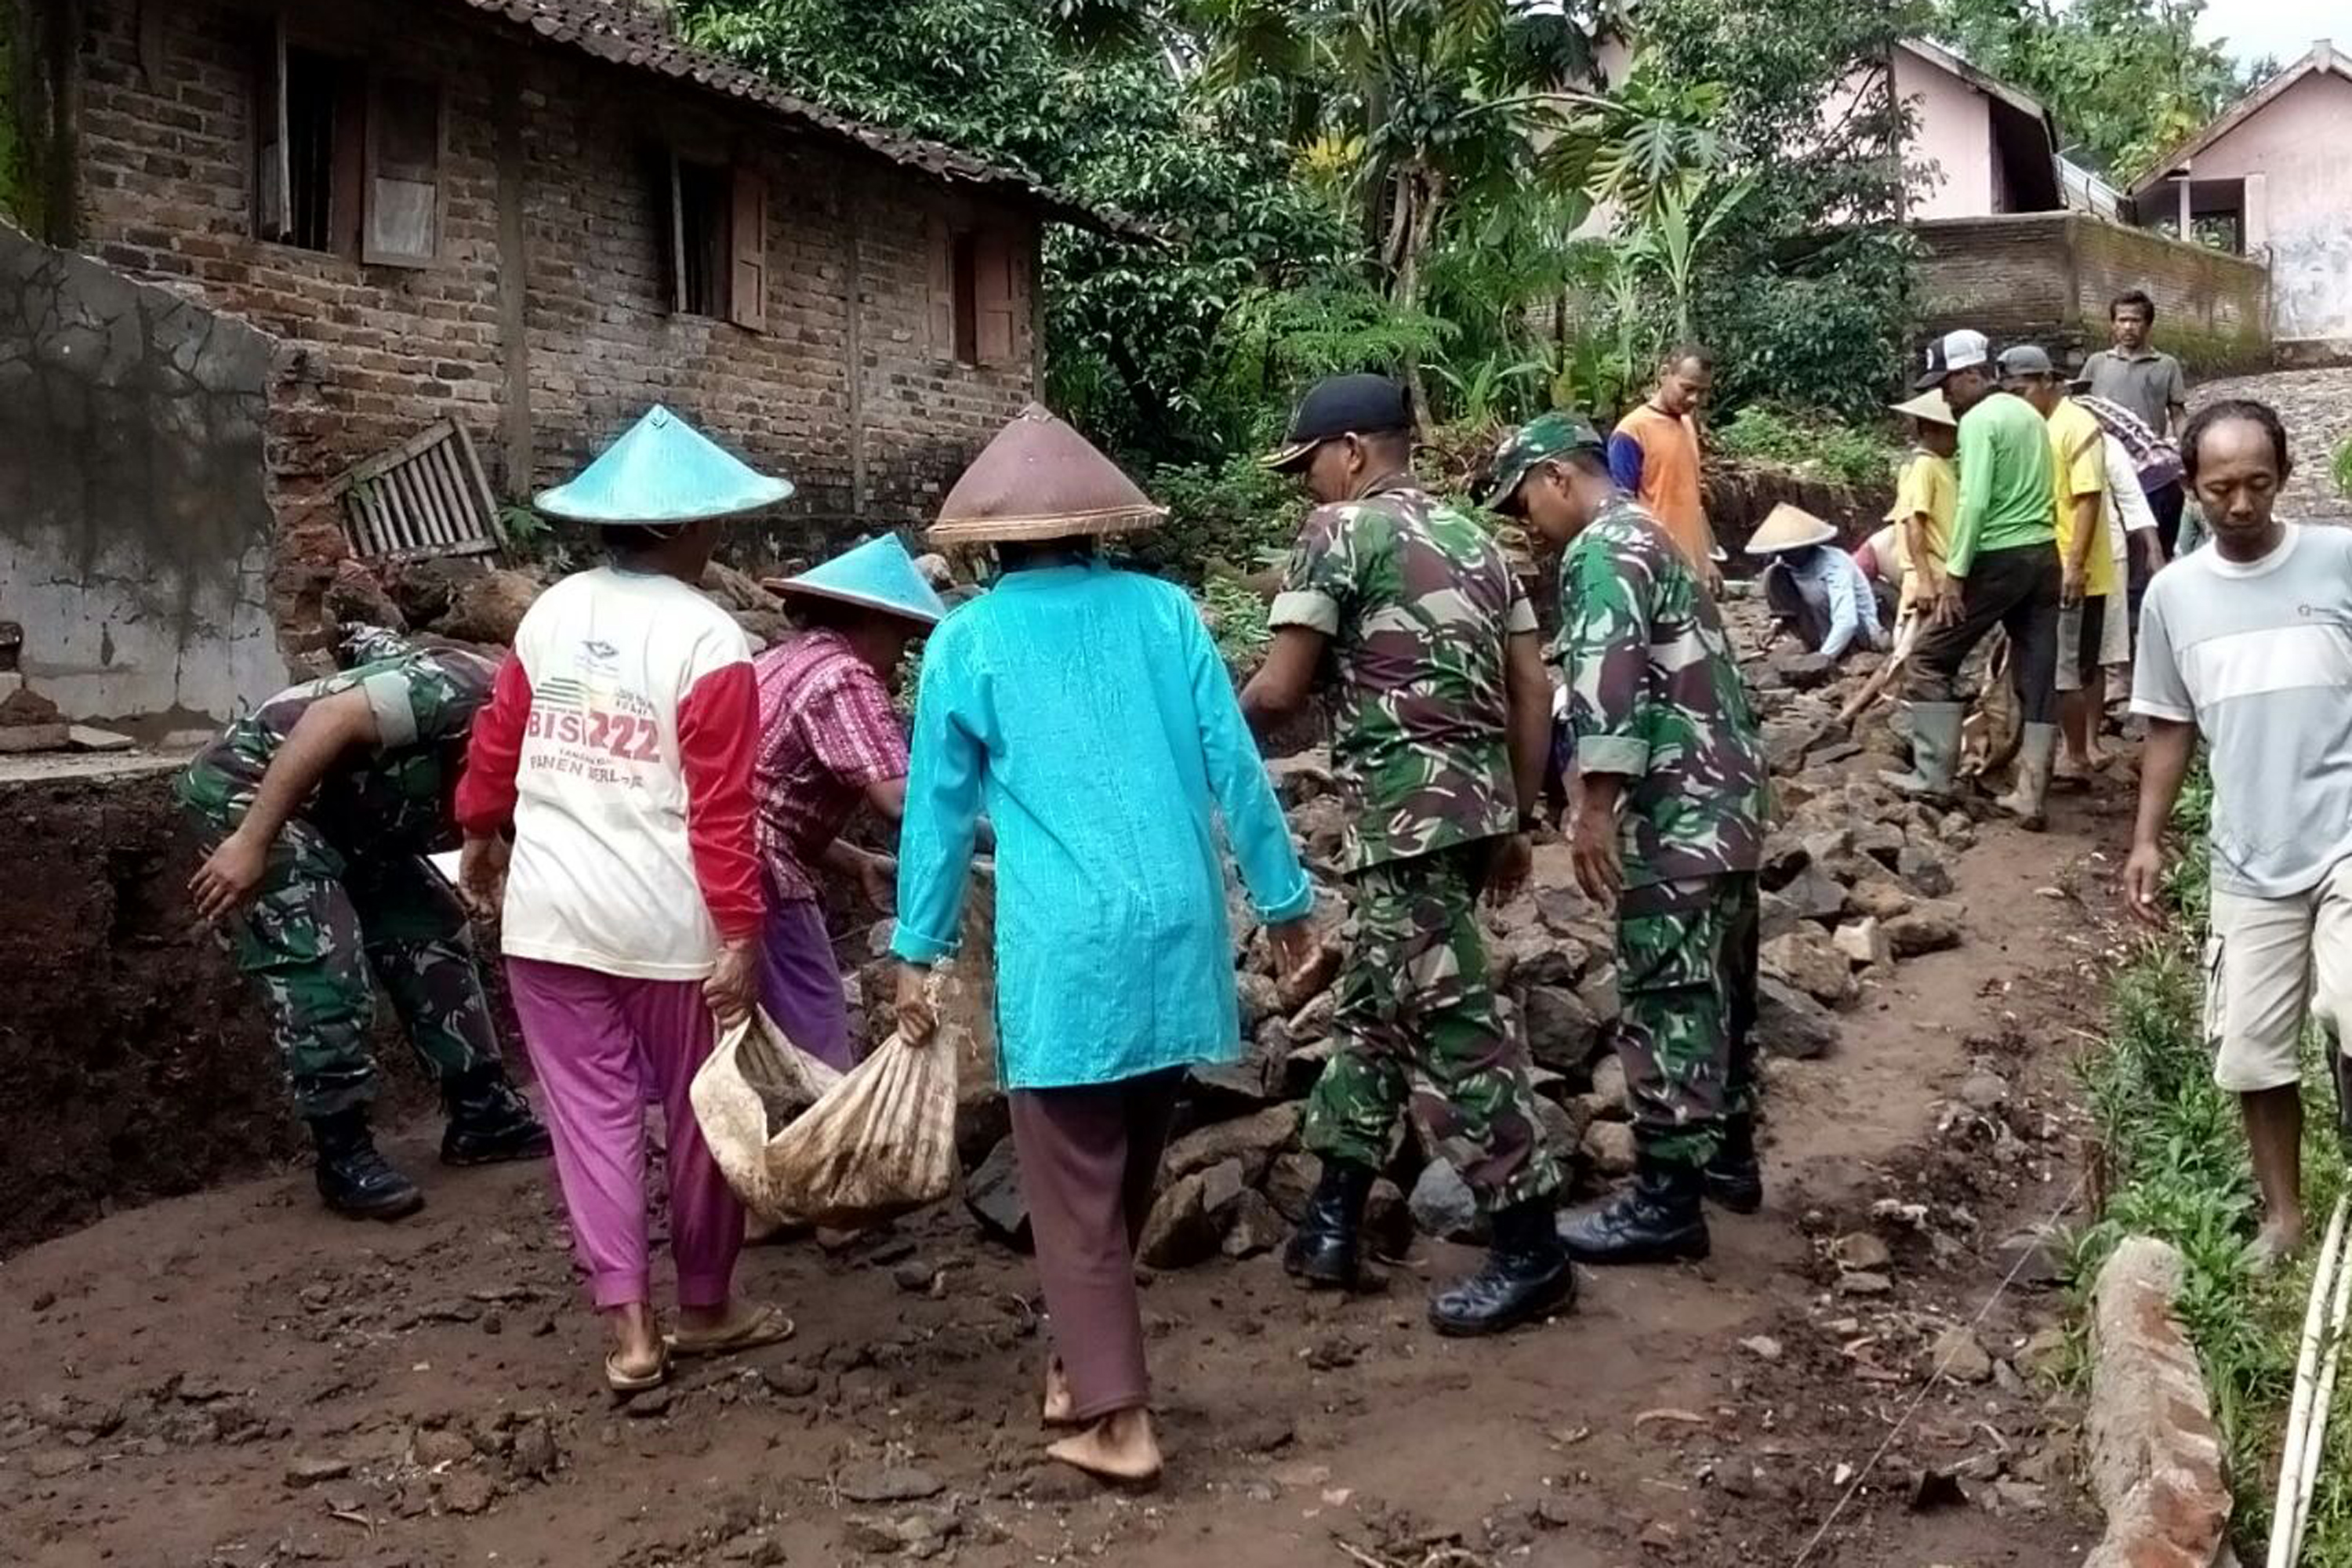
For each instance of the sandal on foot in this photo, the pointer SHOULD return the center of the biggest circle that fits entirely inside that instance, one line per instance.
(620, 1382)
(767, 1326)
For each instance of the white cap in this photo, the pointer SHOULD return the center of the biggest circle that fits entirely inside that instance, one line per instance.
(1954, 351)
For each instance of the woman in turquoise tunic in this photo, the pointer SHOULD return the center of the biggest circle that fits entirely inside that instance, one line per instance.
(1083, 710)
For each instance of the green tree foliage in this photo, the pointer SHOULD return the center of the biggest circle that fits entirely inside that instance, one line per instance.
(2126, 79)
(1807, 300)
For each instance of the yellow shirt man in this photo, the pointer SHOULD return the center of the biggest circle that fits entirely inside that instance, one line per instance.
(1926, 488)
(2079, 450)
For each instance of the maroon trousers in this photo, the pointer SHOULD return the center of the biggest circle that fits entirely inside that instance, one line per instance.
(1089, 1160)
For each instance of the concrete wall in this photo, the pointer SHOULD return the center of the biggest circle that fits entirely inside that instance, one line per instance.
(1953, 132)
(2304, 208)
(544, 323)
(2047, 278)
(135, 531)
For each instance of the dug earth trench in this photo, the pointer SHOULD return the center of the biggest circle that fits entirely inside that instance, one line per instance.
(233, 1377)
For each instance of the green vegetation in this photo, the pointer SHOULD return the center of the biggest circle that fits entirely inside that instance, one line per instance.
(1859, 458)
(2177, 1160)
(2340, 467)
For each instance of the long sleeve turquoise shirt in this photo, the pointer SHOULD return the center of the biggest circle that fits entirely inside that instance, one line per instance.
(1085, 711)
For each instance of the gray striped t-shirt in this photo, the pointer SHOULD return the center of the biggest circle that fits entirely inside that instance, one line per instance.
(2259, 656)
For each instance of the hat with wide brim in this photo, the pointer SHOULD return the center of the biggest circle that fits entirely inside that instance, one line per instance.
(1040, 479)
(1789, 527)
(662, 469)
(1931, 406)
(878, 575)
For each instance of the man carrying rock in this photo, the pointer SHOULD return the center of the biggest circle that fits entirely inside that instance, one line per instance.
(1440, 725)
(1669, 829)
(2250, 644)
(2002, 569)
(320, 806)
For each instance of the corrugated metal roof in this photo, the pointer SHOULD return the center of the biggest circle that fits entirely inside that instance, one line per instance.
(624, 36)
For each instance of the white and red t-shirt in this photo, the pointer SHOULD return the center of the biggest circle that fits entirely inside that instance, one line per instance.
(619, 741)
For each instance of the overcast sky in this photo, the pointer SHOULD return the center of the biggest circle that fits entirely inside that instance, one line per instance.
(2284, 28)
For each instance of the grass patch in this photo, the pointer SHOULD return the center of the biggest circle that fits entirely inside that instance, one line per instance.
(2176, 1156)
(1860, 459)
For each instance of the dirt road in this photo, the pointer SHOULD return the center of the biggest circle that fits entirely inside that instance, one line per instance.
(236, 1378)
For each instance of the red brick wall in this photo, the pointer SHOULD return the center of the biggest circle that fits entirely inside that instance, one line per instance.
(371, 354)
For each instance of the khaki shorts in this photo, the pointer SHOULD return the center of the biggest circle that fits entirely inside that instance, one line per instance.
(2269, 964)
(2115, 638)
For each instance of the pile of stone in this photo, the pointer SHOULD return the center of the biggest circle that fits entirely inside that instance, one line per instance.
(1857, 879)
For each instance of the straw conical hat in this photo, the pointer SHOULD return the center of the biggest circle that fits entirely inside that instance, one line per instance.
(1929, 405)
(1788, 527)
(1040, 479)
(878, 575)
(662, 469)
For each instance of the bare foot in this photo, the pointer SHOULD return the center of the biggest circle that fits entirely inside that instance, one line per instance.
(638, 1348)
(1057, 1393)
(2278, 1240)
(1119, 1448)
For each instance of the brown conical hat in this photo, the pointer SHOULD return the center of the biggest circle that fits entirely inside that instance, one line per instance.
(1040, 479)
(1789, 527)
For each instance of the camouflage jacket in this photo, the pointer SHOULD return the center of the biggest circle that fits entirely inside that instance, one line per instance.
(1417, 601)
(396, 797)
(1654, 694)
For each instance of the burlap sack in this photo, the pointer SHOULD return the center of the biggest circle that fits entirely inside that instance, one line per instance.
(750, 1090)
(880, 1142)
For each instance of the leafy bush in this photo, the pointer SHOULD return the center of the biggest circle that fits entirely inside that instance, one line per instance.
(1232, 517)
(2341, 467)
(1858, 458)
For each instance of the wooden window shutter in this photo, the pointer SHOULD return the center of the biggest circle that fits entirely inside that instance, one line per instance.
(402, 227)
(747, 286)
(996, 296)
(273, 204)
(938, 248)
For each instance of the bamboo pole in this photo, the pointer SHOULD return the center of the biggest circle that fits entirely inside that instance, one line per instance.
(2294, 1484)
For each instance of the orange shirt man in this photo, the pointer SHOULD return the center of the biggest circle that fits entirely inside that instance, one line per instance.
(1653, 454)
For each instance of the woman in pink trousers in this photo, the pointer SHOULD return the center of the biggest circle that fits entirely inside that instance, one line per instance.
(617, 747)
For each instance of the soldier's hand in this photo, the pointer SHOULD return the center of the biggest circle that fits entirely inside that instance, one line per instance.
(1506, 875)
(734, 983)
(482, 876)
(918, 1020)
(1592, 844)
(229, 876)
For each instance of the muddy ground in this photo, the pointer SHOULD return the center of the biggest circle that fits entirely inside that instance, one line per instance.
(234, 1377)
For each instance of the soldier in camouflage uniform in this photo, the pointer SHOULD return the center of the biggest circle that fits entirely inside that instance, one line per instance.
(320, 806)
(1670, 799)
(1440, 726)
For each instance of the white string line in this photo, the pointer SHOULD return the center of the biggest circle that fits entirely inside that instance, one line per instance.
(1937, 1375)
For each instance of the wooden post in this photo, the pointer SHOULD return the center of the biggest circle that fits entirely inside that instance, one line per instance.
(514, 295)
(2188, 213)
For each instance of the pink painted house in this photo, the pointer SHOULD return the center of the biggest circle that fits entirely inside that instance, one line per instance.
(1984, 147)
(2275, 174)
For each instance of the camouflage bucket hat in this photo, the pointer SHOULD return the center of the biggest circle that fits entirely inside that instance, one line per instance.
(1544, 437)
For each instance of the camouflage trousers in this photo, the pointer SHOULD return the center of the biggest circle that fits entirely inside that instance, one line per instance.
(1686, 996)
(322, 918)
(1418, 1023)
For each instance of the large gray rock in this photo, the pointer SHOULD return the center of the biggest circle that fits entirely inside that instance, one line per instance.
(1790, 1024)
(1811, 963)
(1932, 927)
(1816, 893)
(1561, 1030)
(1180, 1231)
(1924, 871)
(1443, 1203)
(1253, 1141)
(991, 1191)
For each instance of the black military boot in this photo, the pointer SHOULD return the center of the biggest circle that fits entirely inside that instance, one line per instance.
(488, 1121)
(1326, 1250)
(1735, 1178)
(1527, 1276)
(1657, 1220)
(353, 1177)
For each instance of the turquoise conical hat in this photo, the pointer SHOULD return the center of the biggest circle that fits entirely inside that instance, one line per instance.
(879, 574)
(662, 470)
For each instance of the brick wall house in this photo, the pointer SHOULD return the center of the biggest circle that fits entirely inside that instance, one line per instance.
(538, 217)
